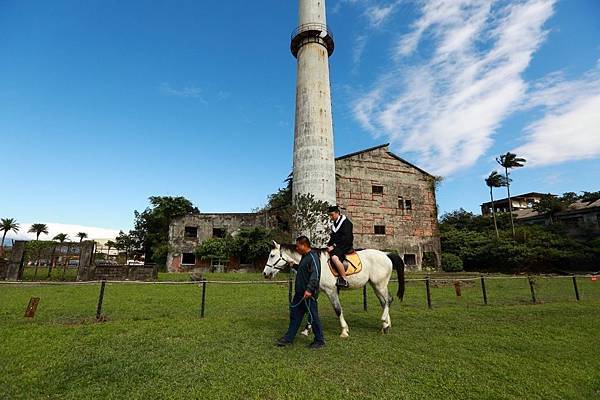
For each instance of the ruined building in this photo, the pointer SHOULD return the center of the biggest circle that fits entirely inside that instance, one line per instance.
(390, 201)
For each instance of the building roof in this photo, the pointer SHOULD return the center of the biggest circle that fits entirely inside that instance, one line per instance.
(381, 146)
(574, 208)
(519, 196)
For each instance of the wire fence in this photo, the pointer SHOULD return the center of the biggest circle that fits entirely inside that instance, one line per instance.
(77, 302)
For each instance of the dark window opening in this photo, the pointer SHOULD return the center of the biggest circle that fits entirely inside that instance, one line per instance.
(377, 189)
(191, 232)
(379, 229)
(410, 259)
(218, 233)
(401, 202)
(408, 205)
(188, 258)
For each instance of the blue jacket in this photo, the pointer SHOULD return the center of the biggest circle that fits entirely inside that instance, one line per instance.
(309, 274)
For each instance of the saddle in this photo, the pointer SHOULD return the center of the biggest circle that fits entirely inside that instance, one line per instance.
(352, 264)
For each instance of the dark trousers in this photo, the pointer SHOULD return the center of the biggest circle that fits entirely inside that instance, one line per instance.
(298, 309)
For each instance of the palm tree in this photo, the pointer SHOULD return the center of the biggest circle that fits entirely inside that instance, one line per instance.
(6, 225)
(111, 245)
(510, 161)
(61, 237)
(81, 236)
(38, 229)
(495, 180)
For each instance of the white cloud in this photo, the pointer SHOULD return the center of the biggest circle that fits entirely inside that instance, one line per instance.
(185, 92)
(445, 106)
(377, 14)
(570, 126)
(71, 230)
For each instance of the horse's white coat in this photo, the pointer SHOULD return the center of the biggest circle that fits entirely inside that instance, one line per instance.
(376, 270)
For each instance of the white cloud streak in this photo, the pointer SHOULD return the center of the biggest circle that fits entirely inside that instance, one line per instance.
(445, 106)
(570, 127)
(184, 92)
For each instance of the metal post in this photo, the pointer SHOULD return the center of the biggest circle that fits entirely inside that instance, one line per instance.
(203, 297)
(575, 287)
(100, 300)
(485, 300)
(532, 289)
(427, 287)
(365, 298)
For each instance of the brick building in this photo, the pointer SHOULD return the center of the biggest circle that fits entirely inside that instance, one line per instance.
(390, 201)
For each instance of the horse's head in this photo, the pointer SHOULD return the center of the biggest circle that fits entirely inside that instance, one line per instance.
(278, 260)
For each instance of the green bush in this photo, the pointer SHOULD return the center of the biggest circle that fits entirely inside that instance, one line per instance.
(451, 262)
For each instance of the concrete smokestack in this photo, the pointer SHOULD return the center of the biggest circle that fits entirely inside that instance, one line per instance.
(314, 164)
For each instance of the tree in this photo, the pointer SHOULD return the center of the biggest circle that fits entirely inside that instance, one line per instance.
(152, 225)
(81, 236)
(550, 204)
(510, 161)
(251, 244)
(61, 237)
(309, 217)
(6, 225)
(126, 243)
(111, 245)
(495, 180)
(215, 249)
(38, 229)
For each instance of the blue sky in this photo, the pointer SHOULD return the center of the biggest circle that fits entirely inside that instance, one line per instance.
(104, 103)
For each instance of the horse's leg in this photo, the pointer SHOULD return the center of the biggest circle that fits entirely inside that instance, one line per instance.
(337, 307)
(385, 299)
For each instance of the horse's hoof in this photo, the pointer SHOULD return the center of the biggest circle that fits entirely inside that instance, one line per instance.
(344, 334)
(305, 332)
(386, 330)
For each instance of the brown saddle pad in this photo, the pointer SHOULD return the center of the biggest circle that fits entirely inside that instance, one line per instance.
(352, 264)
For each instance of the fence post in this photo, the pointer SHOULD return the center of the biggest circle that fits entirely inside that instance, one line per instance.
(365, 297)
(290, 288)
(575, 287)
(427, 288)
(203, 298)
(100, 300)
(485, 301)
(532, 289)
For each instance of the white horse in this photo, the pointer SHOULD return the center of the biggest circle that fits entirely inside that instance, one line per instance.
(376, 269)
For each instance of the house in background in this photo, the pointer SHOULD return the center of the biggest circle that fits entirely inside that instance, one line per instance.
(519, 202)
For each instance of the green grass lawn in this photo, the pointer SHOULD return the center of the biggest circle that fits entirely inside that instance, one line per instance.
(153, 345)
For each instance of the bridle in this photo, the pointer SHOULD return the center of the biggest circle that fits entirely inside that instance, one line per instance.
(275, 266)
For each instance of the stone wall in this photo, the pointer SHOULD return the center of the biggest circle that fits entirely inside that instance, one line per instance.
(125, 272)
(405, 207)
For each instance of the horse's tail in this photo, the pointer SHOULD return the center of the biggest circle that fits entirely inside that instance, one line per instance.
(398, 264)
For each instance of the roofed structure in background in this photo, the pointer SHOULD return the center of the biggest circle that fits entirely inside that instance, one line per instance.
(578, 214)
(519, 202)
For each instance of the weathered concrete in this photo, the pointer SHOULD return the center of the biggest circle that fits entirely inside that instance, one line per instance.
(86, 270)
(15, 264)
(206, 224)
(412, 232)
(314, 166)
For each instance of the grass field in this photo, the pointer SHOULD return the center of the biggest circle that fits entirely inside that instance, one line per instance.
(153, 345)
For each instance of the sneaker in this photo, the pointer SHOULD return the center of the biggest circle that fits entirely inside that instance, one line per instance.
(283, 342)
(342, 283)
(316, 345)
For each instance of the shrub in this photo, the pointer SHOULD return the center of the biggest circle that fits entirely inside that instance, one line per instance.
(451, 262)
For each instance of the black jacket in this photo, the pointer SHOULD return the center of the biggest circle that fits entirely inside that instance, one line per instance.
(343, 237)
(309, 274)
